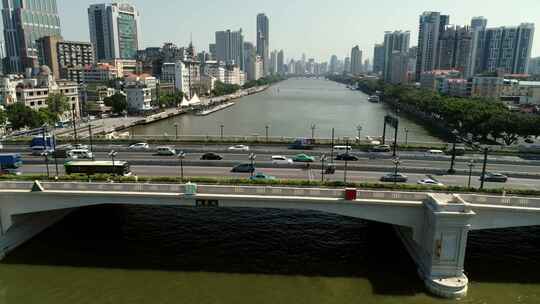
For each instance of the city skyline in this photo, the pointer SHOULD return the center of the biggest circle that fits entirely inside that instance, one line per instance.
(312, 20)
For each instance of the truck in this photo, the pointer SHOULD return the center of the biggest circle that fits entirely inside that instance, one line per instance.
(42, 144)
(302, 144)
(10, 163)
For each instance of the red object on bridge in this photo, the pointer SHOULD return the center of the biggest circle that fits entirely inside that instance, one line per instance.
(350, 194)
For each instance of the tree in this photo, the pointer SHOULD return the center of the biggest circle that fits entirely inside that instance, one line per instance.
(224, 89)
(117, 102)
(22, 116)
(3, 117)
(57, 104)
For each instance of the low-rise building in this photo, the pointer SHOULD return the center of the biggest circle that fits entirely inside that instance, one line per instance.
(234, 76)
(141, 92)
(487, 87)
(434, 80)
(100, 72)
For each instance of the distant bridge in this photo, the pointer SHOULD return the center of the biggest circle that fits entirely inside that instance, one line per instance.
(433, 227)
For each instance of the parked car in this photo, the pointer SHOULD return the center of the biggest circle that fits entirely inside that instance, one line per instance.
(139, 147)
(166, 151)
(243, 168)
(262, 177)
(239, 148)
(303, 158)
(381, 148)
(495, 177)
(430, 182)
(211, 156)
(394, 178)
(346, 157)
(281, 160)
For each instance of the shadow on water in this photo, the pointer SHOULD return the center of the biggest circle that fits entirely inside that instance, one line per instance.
(244, 241)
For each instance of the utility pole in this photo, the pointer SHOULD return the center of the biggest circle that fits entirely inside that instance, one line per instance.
(482, 181)
(74, 124)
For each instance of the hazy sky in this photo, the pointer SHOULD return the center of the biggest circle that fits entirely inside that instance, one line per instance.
(318, 28)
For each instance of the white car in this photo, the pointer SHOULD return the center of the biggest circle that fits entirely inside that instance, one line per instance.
(139, 147)
(166, 151)
(430, 182)
(239, 148)
(281, 160)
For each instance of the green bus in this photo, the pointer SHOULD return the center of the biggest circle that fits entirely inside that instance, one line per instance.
(121, 168)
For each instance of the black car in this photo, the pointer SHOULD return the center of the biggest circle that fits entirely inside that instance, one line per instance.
(346, 157)
(244, 168)
(495, 178)
(211, 156)
(394, 178)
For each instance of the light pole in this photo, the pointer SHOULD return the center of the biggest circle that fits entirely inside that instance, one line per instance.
(359, 129)
(471, 166)
(112, 155)
(181, 155)
(406, 137)
(346, 160)
(267, 127)
(313, 128)
(397, 162)
(332, 147)
(74, 124)
(46, 158)
(323, 160)
(252, 158)
(176, 130)
(221, 131)
(91, 140)
(452, 169)
(484, 167)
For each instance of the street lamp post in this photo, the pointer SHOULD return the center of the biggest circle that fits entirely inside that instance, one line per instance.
(46, 158)
(323, 160)
(267, 127)
(313, 128)
(346, 160)
(332, 147)
(397, 162)
(91, 140)
(484, 167)
(359, 129)
(176, 130)
(252, 158)
(406, 137)
(74, 124)
(181, 155)
(221, 127)
(452, 169)
(112, 155)
(471, 166)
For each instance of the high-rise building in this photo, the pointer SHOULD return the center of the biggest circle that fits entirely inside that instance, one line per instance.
(396, 41)
(356, 61)
(398, 73)
(478, 23)
(252, 62)
(347, 65)
(432, 24)
(534, 66)
(25, 21)
(263, 40)
(334, 65)
(281, 62)
(66, 59)
(378, 58)
(273, 62)
(506, 49)
(115, 30)
(230, 48)
(457, 50)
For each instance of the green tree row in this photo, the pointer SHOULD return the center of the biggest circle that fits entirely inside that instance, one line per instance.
(221, 89)
(21, 116)
(264, 81)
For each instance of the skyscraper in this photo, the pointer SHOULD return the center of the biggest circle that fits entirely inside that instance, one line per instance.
(114, 30)
(432, 24)
(281, 62)
(378, 58)
(356, 61)
(457, 50)
(273, 62)
(263, 40)
(396, 41)
(230, 47)
(347, 65)
(334, 64)
(25, 21)
(478, 23)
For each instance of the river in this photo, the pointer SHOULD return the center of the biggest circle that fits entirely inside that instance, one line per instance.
(290, 108)
(136, 254)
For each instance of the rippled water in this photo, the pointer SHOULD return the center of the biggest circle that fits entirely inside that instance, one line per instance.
(130, 254)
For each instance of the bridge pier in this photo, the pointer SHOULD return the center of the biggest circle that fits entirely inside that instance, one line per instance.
(438, 247)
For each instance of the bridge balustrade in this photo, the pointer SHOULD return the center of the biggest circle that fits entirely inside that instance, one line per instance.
(524, 202)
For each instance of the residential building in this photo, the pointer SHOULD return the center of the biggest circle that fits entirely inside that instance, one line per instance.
(141, 91)
(356, 61)
(66, 59)
(168, 72)
(253, 62)
(25, 21)
(347, 65)
(99, 73)
(399, 68)
(534, 66)
(125, 67)
(488, 87)
(432, 25)
(263, 40)
(434, 80)
(457, 50)
(234, 76)
(230, 47)
(378, 58)
(281, 62)
(396, 41)
(188, 77)
(216, 70)
(273, 63)
(115, 30)
(478, 23)
(95, 98)
(334, 65)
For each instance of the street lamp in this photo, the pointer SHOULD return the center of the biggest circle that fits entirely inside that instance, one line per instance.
(396, 162)
(181, 155)
(406, 137)
(332, 147)
(471, 166)
(74, 124)
(91, 140)
(346, 159)
(452, 169)
(112, 155)
(323, 160)
(176, 129)
(252, 158)
(359, 129)
(313, 128)
(484, 167)
(267, 127)
(221, 131)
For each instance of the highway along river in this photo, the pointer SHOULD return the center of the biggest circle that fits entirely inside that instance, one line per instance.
(131, 254)
(290, 108)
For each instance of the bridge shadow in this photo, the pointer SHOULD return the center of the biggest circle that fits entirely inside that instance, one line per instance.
(235, 241)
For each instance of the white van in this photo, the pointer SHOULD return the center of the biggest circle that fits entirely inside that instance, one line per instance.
(343, 149)
(167, 151)
(80, 154)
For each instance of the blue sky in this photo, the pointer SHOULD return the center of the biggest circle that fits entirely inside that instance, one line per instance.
(318, 28)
